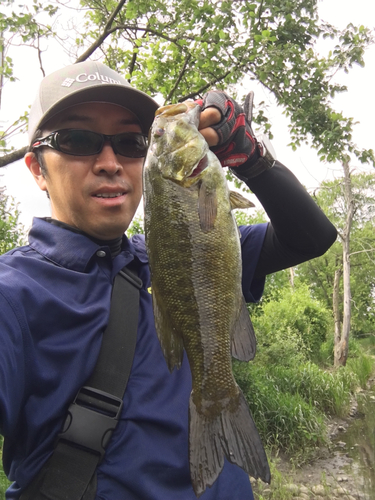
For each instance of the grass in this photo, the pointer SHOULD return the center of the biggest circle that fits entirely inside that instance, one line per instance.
(368, 344)
(327, 391)
(285, 487)
(363, 367)
(290, 405)
(278, 490)
(4, 483)
(284, 420)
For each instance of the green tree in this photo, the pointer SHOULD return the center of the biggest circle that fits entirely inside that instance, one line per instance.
(136, 227)
(20, 25)
(324, 272)
(182, 48)
(12, 233)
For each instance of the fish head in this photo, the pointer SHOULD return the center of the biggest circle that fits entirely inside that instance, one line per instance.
(180, 150)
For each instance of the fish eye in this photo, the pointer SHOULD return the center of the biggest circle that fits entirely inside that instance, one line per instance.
(159, 132)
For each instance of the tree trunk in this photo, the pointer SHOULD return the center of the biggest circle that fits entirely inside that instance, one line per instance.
(336, 304)
(341, 347)
(291, 276)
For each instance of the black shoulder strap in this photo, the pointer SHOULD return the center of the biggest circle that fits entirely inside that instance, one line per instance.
(94, 413)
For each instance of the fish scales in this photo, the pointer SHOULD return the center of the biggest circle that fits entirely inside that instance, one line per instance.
(195, 261)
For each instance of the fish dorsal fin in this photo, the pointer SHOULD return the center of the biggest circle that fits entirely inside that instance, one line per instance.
(239, 201)
(243, 338)
(207, 206)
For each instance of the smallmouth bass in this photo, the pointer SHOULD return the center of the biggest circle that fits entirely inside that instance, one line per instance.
(195, 260)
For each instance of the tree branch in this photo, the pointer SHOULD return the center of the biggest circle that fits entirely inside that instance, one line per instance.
(40, 56)
(134, 59)
(318, 279)
(182, 72)
(362, 251)
(341, 234)
(149, 30)
(13, 156)
(205, 87)
(260, 13)
(106, 32)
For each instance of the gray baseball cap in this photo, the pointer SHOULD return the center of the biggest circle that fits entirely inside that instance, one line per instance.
(88, 81)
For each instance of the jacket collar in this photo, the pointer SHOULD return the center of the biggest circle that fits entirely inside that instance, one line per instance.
(71, 249)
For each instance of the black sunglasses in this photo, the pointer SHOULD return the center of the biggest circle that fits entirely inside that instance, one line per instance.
(85, 143)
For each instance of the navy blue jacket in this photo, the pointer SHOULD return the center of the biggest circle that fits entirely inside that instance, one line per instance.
(54, 303)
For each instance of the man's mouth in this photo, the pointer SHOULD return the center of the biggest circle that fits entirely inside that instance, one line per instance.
(109, 195)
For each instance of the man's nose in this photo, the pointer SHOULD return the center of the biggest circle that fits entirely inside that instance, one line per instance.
(107, 161)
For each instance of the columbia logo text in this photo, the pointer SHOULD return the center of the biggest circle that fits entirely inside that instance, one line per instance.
(84, 77)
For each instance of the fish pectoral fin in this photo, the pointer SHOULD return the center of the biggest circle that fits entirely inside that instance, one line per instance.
(170, 341)
(207, 206)
(239, 201)
(243, 337)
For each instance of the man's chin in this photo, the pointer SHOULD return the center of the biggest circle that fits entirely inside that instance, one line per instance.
(106, 232)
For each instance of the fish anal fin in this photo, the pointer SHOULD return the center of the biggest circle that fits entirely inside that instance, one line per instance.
(243, 337)
(207, 206)
(239, 201)
(170, 341)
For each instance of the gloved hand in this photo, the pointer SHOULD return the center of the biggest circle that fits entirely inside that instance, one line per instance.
(236, 139)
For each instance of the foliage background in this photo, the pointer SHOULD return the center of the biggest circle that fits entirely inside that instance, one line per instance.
(55, 52)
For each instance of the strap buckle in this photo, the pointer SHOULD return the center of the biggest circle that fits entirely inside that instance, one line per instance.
(91, 419)
(131, 277)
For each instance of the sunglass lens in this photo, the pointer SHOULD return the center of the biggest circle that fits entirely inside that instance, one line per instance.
(79, 142)
(130, 145)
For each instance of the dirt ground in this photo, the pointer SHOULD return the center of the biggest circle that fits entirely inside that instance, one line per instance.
(335, 469)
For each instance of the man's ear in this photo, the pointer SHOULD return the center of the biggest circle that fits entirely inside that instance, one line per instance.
(33, 165)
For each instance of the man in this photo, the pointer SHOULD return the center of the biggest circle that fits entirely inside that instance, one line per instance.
(87, 145)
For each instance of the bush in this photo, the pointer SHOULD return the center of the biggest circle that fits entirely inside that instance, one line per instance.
(359, 364)
(292, 328)
(325, 355)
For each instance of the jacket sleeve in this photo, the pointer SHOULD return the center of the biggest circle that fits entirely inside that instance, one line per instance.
(12, 368)
(298, 230)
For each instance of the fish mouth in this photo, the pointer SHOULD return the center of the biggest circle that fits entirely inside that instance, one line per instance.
(203, 163)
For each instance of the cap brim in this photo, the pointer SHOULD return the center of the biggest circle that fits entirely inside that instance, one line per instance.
(139, 103)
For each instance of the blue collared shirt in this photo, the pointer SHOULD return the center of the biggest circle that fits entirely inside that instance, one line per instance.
(54, 302)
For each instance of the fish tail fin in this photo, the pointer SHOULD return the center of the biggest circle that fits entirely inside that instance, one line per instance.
(243, 444)
(206, 454)
(231, 434)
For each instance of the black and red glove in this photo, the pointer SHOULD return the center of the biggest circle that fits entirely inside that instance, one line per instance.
(237, 143)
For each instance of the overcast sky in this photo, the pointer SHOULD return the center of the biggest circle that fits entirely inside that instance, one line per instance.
(358, 102)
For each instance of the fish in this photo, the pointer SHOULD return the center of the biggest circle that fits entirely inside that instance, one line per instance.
(194, 255)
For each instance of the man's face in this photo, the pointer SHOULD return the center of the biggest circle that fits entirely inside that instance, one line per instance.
(79, 186)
